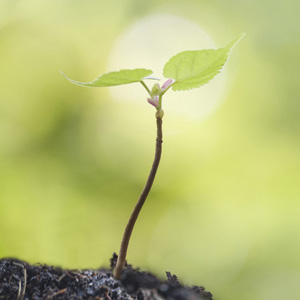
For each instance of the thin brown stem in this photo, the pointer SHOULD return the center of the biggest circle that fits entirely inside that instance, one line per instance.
(135, 213)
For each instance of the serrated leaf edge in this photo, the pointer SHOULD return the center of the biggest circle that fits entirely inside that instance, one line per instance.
(230, 46)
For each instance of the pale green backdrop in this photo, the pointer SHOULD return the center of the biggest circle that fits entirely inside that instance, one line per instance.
(224, 211)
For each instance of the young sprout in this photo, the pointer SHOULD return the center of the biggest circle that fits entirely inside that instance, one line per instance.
(185, 71)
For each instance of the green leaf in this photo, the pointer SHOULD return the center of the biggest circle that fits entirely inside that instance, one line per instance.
(192, 69)
(116, 78)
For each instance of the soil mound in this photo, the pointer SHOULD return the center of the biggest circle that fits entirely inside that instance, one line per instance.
(22, 281)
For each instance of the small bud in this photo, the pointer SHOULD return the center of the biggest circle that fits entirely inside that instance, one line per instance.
(167, 84)
(156, 90)
(159, 114)
(153, 101)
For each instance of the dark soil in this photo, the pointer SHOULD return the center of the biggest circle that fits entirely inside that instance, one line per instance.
(22, 281)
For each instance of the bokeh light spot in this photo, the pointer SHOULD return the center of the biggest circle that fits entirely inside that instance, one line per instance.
(150, 43)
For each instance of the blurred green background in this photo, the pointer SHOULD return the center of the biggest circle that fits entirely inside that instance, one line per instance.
(224, 210)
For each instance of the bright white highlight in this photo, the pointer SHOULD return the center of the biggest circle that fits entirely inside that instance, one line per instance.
(150, 43)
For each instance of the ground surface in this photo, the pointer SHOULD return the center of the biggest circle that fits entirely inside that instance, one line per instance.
(22, 281)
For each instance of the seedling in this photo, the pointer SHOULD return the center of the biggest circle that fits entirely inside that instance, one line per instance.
(186, 70)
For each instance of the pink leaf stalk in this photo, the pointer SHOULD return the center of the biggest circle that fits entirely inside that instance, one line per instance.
(167, 84)
(154, 101)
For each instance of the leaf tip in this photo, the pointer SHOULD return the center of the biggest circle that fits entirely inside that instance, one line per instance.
(63, 74)
(236, 40)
